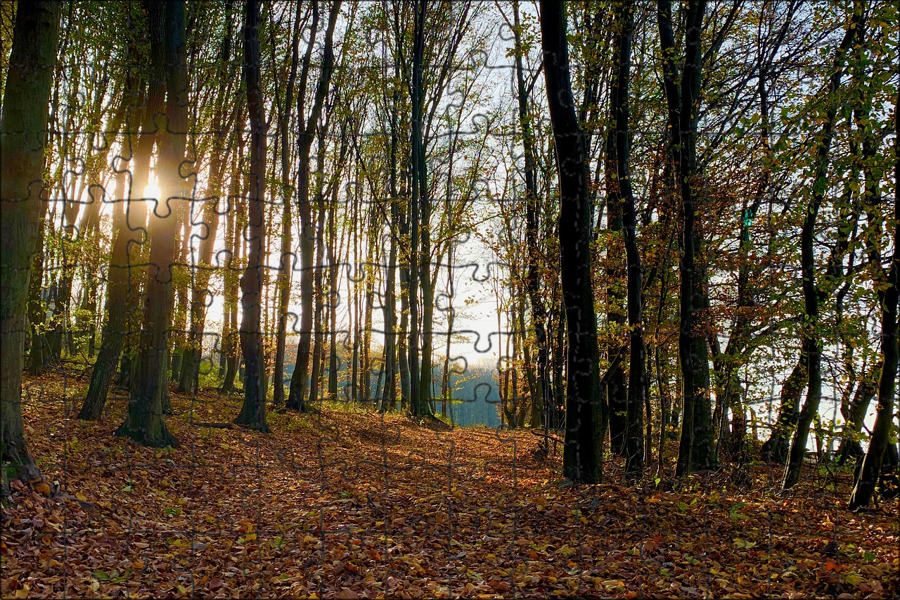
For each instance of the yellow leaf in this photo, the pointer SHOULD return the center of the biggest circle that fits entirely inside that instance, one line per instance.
(81, 496)
(23, 593)
(42, 488)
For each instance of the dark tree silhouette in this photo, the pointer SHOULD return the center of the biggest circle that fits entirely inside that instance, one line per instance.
(586, 416)
(25, 111)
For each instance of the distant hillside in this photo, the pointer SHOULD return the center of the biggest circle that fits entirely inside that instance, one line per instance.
(475, 394)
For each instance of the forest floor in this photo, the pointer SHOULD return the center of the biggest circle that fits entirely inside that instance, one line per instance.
(351, 504)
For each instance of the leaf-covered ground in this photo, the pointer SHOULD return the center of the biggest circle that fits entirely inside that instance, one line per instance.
(349, 504)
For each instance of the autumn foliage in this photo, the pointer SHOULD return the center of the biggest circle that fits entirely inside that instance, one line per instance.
(349, 504)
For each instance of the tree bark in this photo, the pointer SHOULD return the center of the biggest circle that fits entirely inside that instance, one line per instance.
(812, 345)
(286, 265)
(253, 411)
(634, 453)
(696, 448)
(25, 113)
(144, 422)
(114, 329)
(586, 417)
(888, 299)
(299, 378)
(419, 392)
(855, 415)
(533, 276)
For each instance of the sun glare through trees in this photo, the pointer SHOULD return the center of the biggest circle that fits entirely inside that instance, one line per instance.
(432, 298)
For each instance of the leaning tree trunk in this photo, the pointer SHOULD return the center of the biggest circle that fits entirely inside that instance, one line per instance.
(888, 298)
(128, 226)
(812, 345)
(299, 379)
(775, 449)
(115, 325)
(855, 415)
(586, 417)
(25, 113)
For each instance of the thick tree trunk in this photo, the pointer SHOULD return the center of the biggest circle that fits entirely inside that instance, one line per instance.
(586, 417)
(253, 411)
(144, 422)
(25, 113)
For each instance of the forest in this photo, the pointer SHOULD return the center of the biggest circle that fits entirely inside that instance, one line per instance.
(433, 298)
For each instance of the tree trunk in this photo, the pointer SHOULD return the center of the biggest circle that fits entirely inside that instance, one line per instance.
(389, 392)
(418, 405)
(233, 239)
(318, 298)
(812, 345)
(533, 277)
(144, 422)
(888, 299)
(287, 264)
(775, 449)
(856, 413)
(253, 411)
(299, 378)
(114, 327)
(190, 370)
(586, 417)
(696, 449)
(38, 356)
(616, 388)
(25, 109)
(634, 446)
